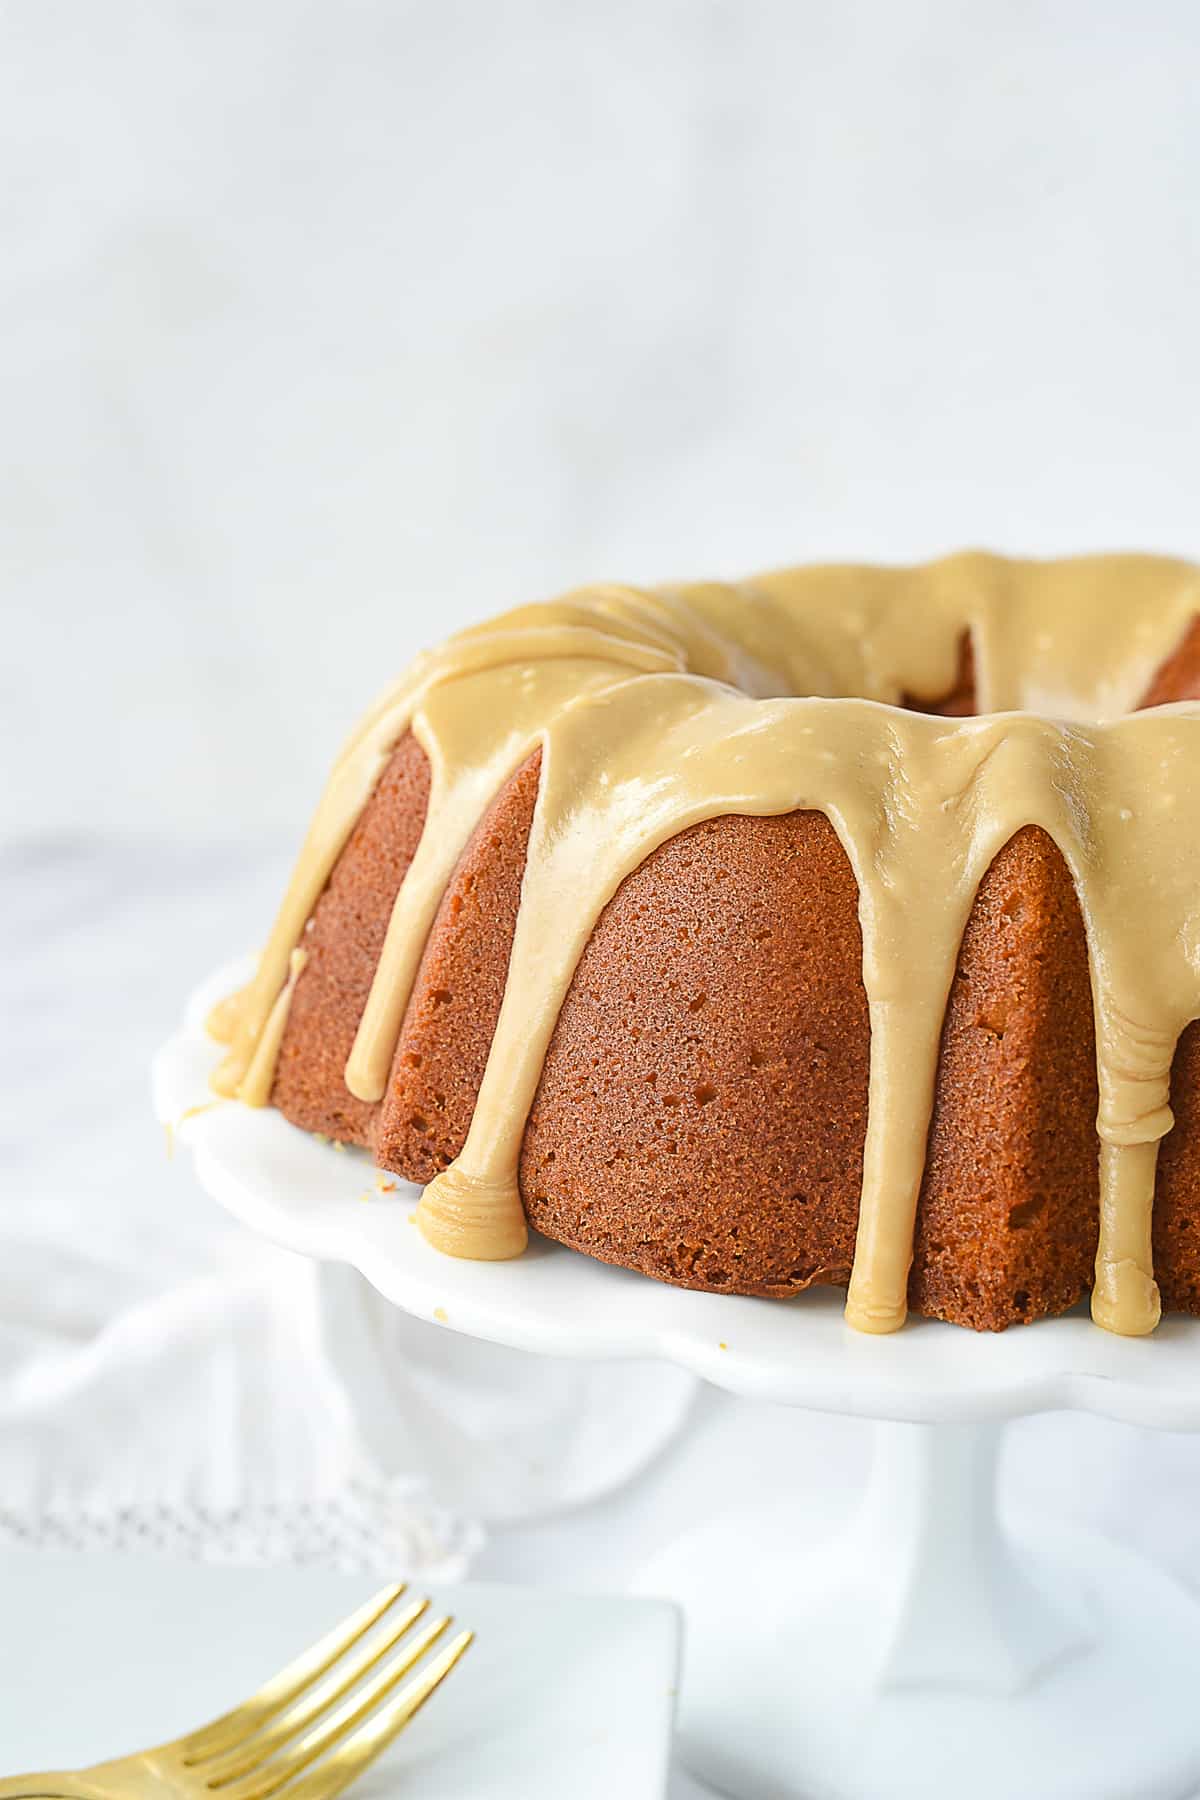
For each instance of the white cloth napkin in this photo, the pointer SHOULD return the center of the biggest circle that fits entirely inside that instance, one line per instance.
(166, 1379)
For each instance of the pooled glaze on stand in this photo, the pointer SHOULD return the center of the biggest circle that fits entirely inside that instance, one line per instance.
(656, 711)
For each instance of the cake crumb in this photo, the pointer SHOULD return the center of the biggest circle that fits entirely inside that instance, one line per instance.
(439, 1313)
(722, 1345)
(320, 1137)
(338, 1144)
(385, 1187)
(366, 1194)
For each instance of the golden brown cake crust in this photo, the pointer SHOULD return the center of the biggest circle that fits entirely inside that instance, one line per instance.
(1177, 1200)
(1177, 1192)
(719, 1144)
(1007, 1224)
(451, 1018)
(702, 1109)
(343, 942)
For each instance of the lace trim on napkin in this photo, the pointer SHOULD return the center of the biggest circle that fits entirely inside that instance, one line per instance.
(369, 1527)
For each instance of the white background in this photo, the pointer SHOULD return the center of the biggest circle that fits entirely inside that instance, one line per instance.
(326, 327)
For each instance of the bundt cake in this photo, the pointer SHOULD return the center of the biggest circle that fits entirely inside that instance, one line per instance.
(841, 926)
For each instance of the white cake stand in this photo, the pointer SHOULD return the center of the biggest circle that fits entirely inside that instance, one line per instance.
(926, 1651)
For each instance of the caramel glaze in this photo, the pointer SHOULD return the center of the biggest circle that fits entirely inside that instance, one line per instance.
(656, 714)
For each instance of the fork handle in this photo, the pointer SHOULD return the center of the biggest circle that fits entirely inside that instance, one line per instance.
(58, 1784)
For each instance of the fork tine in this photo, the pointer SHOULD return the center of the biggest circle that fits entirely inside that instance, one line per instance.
(338, 1679)
(233, 1727)
(295, 1760)
(372, 1738)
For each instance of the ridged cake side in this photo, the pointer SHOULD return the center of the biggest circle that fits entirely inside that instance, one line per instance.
(703, 1104)
(343, 943)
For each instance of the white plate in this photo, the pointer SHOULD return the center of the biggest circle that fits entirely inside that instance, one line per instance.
(560, 1695)
(302, 1193)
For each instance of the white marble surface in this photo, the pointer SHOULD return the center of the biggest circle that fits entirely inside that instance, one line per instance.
(327, 327)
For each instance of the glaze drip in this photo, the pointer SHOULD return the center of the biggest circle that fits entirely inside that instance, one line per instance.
(656, 711)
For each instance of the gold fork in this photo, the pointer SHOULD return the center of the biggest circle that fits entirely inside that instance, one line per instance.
(305, 1734)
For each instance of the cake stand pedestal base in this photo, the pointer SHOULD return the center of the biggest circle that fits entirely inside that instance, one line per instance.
(927, 1651)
